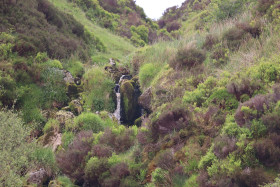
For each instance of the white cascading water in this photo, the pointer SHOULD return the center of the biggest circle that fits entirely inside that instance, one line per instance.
(117, 112)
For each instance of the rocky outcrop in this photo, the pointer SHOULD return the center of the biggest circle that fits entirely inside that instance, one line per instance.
(76, 107)
(54, 141)
(145, 100)
(38, 177)
(130, 93)
(63, 116)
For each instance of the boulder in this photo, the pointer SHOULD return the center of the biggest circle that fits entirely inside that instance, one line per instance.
(68, 78)
(76, 106)
(53, 141)
(38, 177)
(63, 116)
(145, 100)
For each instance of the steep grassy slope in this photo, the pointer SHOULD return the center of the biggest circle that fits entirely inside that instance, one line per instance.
(211, 101)
(116, 46)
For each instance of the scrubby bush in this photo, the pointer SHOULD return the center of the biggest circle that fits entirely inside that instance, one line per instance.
(102, 151)
(220, 54)
(160, 177)
(7, 90)
(173, 26)
(201, 93)
(223, 145)
(88, 121)
(188, 57)
(94, 169)
(244, 87)
(234, 37)
(54, 87)
(228, 8)
(98, 88)
(45, 158)
(141, 32)
(256, 106)
(75, 67)
(51, 125)
(54, 64)
(223, 99)
(266, 152)
(120, 142)
(13, 139)
(264, 5)
(210, 41)
(73, 160)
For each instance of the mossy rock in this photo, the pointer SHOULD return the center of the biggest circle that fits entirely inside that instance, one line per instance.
(129, 101)
(73, 90)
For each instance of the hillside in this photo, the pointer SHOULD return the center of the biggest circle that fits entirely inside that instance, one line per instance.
(94, 93)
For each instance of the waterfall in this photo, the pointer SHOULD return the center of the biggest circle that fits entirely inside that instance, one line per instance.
(117, 112)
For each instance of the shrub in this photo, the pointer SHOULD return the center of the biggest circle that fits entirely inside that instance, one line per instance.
(258, 129)
(7, 90)
(142, 31)
(252, 177)
(67, 139)
(160, 177)
(94, 169)
(102, 151)
(44, 157)
(54, 64)
(192, 181)
(188, 57)
(51, 125)
(264, 5)
(207, 159)
(89, 121)
(165, 160)
(13, 139)
(147, 73)
(220, 54)
(98, 88)
(120, 142)
(234, 37)
(244, 86)
(210, 41)
(228, 8)
(73, 160)
(201, 93)
(256, 106)
(75, 67)
(120, 170)
(54, 87)
(223, 145)
(266, 152)
(173, 26)
(223, 99)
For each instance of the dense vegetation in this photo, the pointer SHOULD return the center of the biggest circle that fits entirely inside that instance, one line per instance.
(210, 94)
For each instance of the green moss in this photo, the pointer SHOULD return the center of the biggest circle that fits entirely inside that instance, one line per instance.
(129, 100)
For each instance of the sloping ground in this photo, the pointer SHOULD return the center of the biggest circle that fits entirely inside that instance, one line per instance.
(117, 47)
